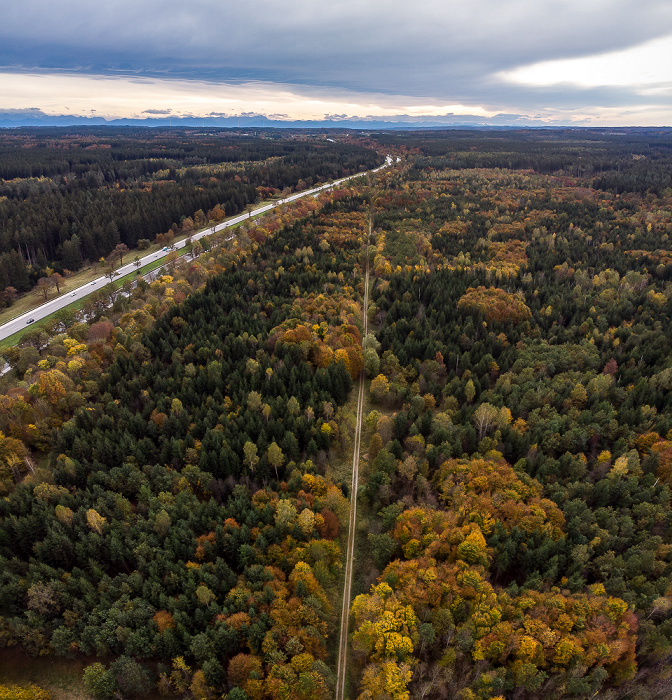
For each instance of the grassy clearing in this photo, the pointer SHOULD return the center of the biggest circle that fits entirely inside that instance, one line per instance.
(339, 468)
(63, 678)
(362, 560)
(363, 568)
(364, 571)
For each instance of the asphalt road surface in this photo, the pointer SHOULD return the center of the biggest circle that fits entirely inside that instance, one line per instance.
(71, 296)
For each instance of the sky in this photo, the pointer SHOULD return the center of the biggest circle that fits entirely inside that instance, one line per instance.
(544, 62)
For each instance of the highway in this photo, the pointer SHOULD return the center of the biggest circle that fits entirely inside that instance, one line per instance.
(64, 300)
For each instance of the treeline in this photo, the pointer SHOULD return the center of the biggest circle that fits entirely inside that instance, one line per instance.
(128, 154)
(618, 160)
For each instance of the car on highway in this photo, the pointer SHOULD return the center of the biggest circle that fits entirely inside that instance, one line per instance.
(30, 320)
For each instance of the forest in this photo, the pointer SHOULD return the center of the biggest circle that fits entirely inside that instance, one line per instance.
(174, 461)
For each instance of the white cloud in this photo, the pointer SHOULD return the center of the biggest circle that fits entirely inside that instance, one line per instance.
(638, 67)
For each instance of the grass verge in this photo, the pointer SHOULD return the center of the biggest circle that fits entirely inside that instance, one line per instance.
(29, 301)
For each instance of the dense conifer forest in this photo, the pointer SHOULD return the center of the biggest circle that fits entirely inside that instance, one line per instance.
(174, 460)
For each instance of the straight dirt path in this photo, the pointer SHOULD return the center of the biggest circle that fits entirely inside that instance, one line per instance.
(350, 554)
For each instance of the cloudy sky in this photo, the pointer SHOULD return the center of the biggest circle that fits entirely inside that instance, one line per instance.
(592, 62)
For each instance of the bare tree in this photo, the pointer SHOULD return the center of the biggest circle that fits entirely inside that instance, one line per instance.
(485, 418)
(119, 252)
(57, 280)
(44, 284)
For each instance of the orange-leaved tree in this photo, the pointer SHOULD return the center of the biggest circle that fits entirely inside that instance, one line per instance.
(495, 304)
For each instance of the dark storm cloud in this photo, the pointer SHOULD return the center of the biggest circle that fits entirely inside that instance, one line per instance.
(435, 49)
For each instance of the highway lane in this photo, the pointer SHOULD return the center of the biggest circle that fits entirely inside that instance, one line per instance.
(72, 296)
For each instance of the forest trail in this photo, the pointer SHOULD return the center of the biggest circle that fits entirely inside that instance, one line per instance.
(350, 554)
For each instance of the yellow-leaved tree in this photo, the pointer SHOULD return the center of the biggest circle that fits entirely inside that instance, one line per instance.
(386, 633)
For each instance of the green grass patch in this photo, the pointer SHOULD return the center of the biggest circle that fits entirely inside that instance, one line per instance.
(340, 460)
(401, 248)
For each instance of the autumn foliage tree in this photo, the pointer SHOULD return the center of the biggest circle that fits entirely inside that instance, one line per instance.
(523, 640)
(495, 304)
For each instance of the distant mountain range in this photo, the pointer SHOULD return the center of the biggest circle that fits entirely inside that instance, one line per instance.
(13, 118)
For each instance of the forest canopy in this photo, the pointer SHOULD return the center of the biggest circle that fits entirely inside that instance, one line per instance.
(174, 460)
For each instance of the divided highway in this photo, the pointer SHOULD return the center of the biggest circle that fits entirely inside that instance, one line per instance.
(60, 302)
